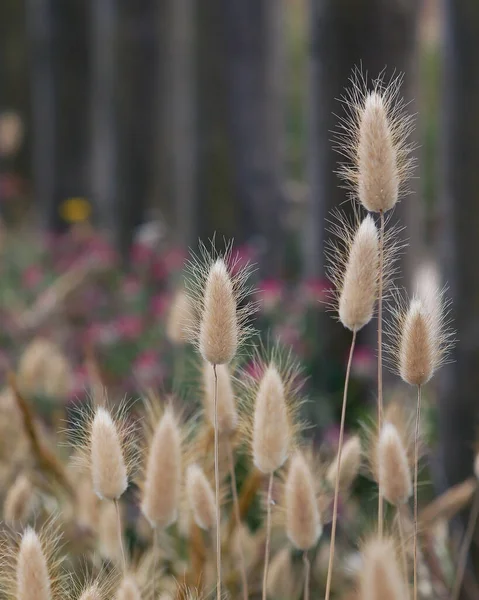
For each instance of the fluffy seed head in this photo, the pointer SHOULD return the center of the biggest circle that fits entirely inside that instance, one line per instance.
(218, 340)
(200, 497)
(216, 286)
(303, 521)
(350, 464)
(359, 285)
(394, 474)
(227, 415)
(380, 576)
(374, 139)
(162, 484)
(108, 467)
(271, 426)
(420, 336)
(92, 592)
(179, 319)
(476, 465)
(128, 589)
(19, 500)
(32, 575)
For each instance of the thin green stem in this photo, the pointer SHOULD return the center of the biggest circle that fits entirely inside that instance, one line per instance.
(416, 470)
(217, 493)
(268, 534)
(338, 469)
(234, 493)
(380, 357)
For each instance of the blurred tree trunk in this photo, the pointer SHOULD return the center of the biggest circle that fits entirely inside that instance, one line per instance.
(40, 28)
(176, 180)
(240, 139)
(104, 104)
(138, 58)
(369, 34)
(460, 226)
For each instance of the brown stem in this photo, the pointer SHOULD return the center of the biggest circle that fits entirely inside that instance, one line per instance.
(268, 534)
(217, 494)
(120, 534)
(466, 543)
(307, 575)
(380, 358)
(416, 470)
(234, 493)
(338, 470)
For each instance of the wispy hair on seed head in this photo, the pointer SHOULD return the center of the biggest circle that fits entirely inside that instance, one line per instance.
(291, 374)
(79, 434)
(344, 227)
(347, 138)
(50, 542)
(197, 270)
(429, 312)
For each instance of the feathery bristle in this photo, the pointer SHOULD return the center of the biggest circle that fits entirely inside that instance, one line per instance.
(303, 521)
(420, 338)
(380, 576)
(108, 467)
(128, 589)
(18, 505)
(374, 138)
(271, 426)
(179, 319)
(226, 404)
(217, 287)
(92, 592)
(350, 464)
(162, 484)
(218, 335)
(393, 471)
(201, 497)
(32, 574)
(359, 284)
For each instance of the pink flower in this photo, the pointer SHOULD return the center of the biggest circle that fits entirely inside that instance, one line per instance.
(131, 286)
(141, 254)
(174, 259)
(146, 368)
(270, 292)
(129, 326)
(364, 362)
(159, 270)
(32, 276)
(316, 290)
(159, 305)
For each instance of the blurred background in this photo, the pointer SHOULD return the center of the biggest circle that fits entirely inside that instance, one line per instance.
(130, 129)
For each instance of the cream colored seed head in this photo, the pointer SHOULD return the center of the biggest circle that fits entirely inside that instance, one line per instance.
(271, 426)
(128, 589)
(380, 576)
(180, 318)
(200, 497)
(417, 349)
(18, 503)
(227, 415)
(303, 521)
(32, 576)
(377, 159)
(394, 474)
(162, 485)
(108, 468)
(476, 465)
(359, 287)
(92, 592)
(350, 464)
(218, 335)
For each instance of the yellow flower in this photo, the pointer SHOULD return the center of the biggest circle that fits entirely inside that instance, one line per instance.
(75, 210)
